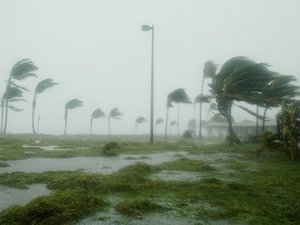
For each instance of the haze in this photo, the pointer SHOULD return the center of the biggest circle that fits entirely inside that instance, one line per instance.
(97, 52)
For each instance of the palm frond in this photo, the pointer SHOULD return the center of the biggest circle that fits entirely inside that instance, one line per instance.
(17, 100)
(15, 108)
(44, 85)
(13, 92)
(19, 86)
(251, 112)
(115, 113)
(159, 121)
(74, 103)
(23, 69)
(202, 99)
(210, 69)
(98, 113)
(140, 120)
(173, 123)
(179, 96)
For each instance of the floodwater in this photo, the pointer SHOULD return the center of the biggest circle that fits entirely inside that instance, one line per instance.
(13, 196)
(104, 165)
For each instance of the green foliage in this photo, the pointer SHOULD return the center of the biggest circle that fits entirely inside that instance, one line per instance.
(188, 134)
(97, 113)
(136, 208)
(159, 121)
(115, 113)
(140, 120)
(110, 148)
(210, 69)
(44, 85)
(202, 99)
(178, 96)
(23, 69)
(184, 164)
(57, 209)
(73, 103)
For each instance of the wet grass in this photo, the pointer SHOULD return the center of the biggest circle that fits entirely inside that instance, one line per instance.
(267, 195)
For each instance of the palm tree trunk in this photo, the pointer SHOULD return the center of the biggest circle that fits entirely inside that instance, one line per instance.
(233, 139)
(6, 116)
(257, 111)
(264, 119)
(194, 117)
(178, 120)
(200, 121)
(91, 126)
(109, 126)
(200, 113)
(66, 120)
(2, 113)
(33, 111)
(38, 126)
(167, 118)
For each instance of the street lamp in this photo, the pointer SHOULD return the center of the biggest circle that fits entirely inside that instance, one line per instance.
(147, 28)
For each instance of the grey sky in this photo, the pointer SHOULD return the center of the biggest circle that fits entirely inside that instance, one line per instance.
(97, 52)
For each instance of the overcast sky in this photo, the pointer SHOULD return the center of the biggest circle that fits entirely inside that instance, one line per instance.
(97, 52)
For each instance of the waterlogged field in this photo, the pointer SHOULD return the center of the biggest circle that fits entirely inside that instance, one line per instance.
(79, 181)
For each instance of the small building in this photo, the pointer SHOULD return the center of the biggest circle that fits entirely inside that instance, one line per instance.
(242, 129)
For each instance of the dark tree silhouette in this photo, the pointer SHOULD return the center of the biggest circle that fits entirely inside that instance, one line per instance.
(72, 104)
(139, 120)
(40, 88)
(115, 113)
(98, 113)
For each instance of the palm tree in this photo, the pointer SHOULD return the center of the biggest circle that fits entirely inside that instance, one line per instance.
(98, 113)
(173, 123)
(158, 121)
(209, 71)
(240, 79)
(72, 104)
(178, 96)
(40, 88)
(20, 71)
(139, 120)
(114, 114)
(280, 90)
(201, 99)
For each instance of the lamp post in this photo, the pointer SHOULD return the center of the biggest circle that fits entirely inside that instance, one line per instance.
(147, 28)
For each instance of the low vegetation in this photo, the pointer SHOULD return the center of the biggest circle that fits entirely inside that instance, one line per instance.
(234, 192)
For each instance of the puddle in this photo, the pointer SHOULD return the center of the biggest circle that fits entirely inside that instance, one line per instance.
(169, 175)
(13, 196)
(46, 147)
(105, 165)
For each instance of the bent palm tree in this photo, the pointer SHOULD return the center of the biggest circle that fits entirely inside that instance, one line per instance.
(72, 104)
(201, 99)
(20, 71)
(40, 88)
(158, 122)
(98, 113)
(172, 124)
(139, 120)
(240, 79)
(114, 114)
(178, 96)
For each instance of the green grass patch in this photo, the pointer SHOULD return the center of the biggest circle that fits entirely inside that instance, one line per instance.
(136, 208)
(189, 165)
(3, 164)
(57, 209)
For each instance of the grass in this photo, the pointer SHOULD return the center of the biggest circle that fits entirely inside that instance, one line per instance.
(267, 195)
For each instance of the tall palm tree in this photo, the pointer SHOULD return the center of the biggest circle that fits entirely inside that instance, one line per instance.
(98, 113)
(72, 104)
(139, 120)
(240, 79)
(201, 99)
(209, 71)
(40, 88)
(114, 114)
(20, 71)
(158, 122)
(177, 96)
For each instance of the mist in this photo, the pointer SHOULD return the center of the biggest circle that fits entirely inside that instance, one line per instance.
(97, 53)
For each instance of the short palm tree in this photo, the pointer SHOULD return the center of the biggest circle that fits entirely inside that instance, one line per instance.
(72, 104)
(139, 120)
(114, 114)
(177, 96)
(240, 79)
(98, 113)
(40, 88)
(172, 124)
(158, 122)
(21, 70)
(201, 99)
